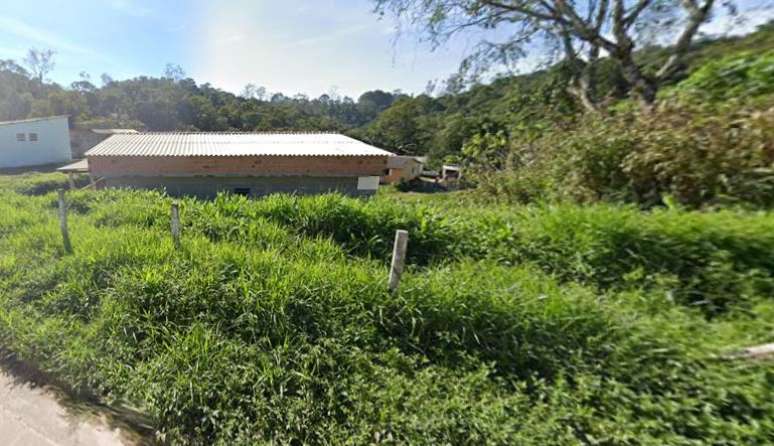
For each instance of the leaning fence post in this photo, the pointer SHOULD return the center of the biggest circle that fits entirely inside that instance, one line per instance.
(63, 222)
(398, 258)
(176, 225)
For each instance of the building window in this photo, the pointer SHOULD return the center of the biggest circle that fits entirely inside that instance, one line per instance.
(386, 172)
(33, 137)
(244, 191)
(20, 137)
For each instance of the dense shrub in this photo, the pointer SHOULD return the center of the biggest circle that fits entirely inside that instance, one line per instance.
(744, 74)
(696, 155)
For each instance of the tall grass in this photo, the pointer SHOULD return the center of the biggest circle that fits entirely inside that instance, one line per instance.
(272, 323)
(714, 261)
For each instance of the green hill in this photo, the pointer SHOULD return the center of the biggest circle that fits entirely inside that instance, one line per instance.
(441, 126)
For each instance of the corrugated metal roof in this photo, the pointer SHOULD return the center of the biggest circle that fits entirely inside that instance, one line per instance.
(114, 131)
(234, 144)
(78, 166)
(399, 161)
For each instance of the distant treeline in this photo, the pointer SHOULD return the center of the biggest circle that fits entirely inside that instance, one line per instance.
(176, 102)
(509, 110)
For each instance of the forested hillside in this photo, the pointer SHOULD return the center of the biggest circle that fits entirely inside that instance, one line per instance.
(437, 125)
(175, 102)
(521, 138)
(441, 126)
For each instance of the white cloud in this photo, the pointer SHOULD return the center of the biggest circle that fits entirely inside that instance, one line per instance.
(41, 36)
(328, 37)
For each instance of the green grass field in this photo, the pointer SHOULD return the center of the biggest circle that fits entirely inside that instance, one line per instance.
(540, 324)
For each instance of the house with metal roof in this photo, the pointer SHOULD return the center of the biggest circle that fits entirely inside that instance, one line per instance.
(252, 164)
(34, 142)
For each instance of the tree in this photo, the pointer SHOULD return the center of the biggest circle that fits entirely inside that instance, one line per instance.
(248, 92)
(39, 62)
(371, 103)
(84, 85)
(580, 31)
(402, 127)
(174, 72)
(106, 79)
(11, 66)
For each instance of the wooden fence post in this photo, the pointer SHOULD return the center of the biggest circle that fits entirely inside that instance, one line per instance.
(63, 222)
(398, 259)
(176, 225)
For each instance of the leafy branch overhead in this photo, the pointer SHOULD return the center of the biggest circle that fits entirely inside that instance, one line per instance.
(579, 32)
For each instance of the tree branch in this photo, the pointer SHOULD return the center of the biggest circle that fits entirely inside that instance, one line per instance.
(696, 17)
(520, 9)
(635, 12)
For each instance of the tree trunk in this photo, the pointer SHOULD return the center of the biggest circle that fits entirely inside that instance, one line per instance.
(645, 92)
(584, 93)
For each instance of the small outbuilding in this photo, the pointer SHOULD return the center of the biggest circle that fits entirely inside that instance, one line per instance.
(252, 164)
(34, 142)
(402, 168)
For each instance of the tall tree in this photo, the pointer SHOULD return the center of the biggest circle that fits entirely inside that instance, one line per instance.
(105, 79)
(581, 31)
(174, 72)
(40, 63)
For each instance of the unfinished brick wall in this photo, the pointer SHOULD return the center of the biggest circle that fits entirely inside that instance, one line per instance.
(318, 166)
(209, 187)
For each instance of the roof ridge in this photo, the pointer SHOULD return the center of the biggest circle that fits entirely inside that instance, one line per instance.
(43, 118)
(234, 144)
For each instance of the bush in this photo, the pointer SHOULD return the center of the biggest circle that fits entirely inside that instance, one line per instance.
(741, 75)
(696, 155)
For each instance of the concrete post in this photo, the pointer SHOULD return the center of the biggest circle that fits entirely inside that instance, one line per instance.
(63, 222)
(176, 225)
(398, 259)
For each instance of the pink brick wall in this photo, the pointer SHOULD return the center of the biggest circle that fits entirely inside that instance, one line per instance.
(104, 166)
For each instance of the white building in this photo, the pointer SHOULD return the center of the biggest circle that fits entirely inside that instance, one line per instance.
(33, 142)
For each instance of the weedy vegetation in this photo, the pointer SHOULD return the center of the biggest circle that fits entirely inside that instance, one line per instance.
(272, 324)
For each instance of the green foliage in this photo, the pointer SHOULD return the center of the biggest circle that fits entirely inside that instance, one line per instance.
(698, 154)
(175, 103)
(740, 75)
(33, 183)
(272, 324)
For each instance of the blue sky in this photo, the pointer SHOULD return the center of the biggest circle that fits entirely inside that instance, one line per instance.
(306, 46)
